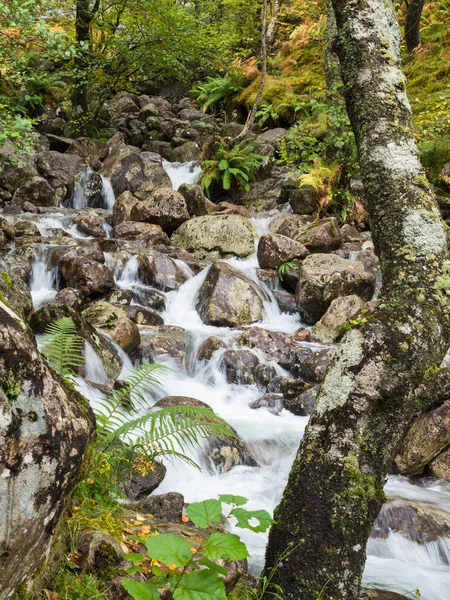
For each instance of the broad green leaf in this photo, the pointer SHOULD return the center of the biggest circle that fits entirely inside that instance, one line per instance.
(230, 499)
(213, 566)
(204, 513)
(135, 569)
(200, 585)
(141, 591)
(134, 557)
(169, 549)
(244, 517)
(225, 545)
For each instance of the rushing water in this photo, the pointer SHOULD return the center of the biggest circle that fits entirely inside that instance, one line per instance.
(394, 563)
(180, 173)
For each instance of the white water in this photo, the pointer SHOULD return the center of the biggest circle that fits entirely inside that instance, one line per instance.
(79, 199)
(43, 280)
(396, 563)
(180, 173)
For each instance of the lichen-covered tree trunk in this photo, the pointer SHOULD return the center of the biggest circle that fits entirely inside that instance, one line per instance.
(85, 13)
(412, 24)
(369, 395)
(45, 427)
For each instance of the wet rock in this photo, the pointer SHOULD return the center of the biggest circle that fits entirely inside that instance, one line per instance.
(138, 486)
(216, 236)
(368, 594)
(289, 277)
(123, 206)
(45, 428)
(228, 298)
(273, 403)
(170, 401)
(302, 335)
(323, 236)
(160, 271)
(150, 298)
(89, 276)
(91, 224)
(269, 277)
(165, 207)
(187, 152)
(291, 388)
(304, 200)
(209, 346)
(90, 250)
(331, 326)
(275, 249)
(99, 553)
(264, 374)
(162, 340)
(228, 453)
(302, 404)
(115, 322)
(37, 191)
(420, 523)
(313, 369)
(59, 170)
(239, 366)
(141, 315)
(428, 437)
(145, 234)
(14, 292)
(167, 507)
(71, 297)
(88, 150)
(197, 203)
(440, 467)
(23, 228)
(119, 297)
(324, 277)
(289, 225)
(286, 302)
(275, 345)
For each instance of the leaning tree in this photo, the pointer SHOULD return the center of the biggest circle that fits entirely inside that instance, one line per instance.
(383, 374)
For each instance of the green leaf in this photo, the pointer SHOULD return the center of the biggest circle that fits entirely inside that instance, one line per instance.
(135, 569)
(200, 585)
(213, 566)
(134, 557)
(223, 164)
(244, 516)
(141, 591)
(225, 545)
(204, 513)
(230, 499)
(169, 548)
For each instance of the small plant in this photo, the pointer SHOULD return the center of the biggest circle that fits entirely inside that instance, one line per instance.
(358, 321)
(17, 128)
(187, 569)
(282, 269)
(323, 179)
(63, 347)
(228, 165)
(215, 93)
(265, 113)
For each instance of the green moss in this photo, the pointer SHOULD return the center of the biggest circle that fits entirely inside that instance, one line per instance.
(4, 300)
(7, 279)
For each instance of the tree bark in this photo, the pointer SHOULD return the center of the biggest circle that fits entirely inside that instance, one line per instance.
(270, 36)
(412, 24)
(83, 19)
(367, 400)
(332, 68)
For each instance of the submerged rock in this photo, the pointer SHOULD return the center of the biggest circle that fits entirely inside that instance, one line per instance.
(239, 366)
(228, 298)
(216, 236)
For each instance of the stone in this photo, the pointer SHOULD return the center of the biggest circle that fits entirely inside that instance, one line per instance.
(325, 277)
(239, 366)
(272, 402)
(14, 278)
(123, 206)
(160, 271)
(313, 368)
(210, 346)
(88, 150)
(302, 404)
(86, 275)
(197, 203)
(440, 466)
(169, 401)
(166, 507)
(291, 388)
(149, 297)
(91, 224)
(59, 170)
(15, 169)
(115, 322)
(428, 436)
(275, 249)
(224, 454)
(114, 109)
(161, 340)
(99, 553)
(71, 297)
(142, 315)
(45, 429)
(445, 175)
(119, 297)
(275, 345)
(164, 207)
(289, 225)
(341, 310)
(23, 228)
(227, 208)
(323, 236)
(38, 191)
(228, 298)
(216, 236)
(145, 234)
(286, 301)
(138, 486)
(187, 152)
(304, 200)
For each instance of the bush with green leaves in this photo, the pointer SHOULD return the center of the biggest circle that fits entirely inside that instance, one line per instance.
(231, 164)
(189, 571)
(16, 128)
(215, 92)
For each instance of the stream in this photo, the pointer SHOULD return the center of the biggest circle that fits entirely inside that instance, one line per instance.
(395, 562)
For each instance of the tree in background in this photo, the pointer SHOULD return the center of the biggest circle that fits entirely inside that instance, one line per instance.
(380, 377)
(412, 23)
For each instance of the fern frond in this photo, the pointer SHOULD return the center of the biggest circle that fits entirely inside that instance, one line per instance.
(63, 347)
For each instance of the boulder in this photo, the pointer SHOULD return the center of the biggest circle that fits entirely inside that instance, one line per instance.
(331, 326)
(228, 298)
(115, 322)
(123, 206)
(14, 278)
(302, 404)
(313, 368)
(99, 553)
(161, 340)
(272, 402)
(59, 170)
(142, 315)
(216, 236)
(160, 271)
(166, 507)
(197, 203)
(275, 249)
(275, 345)
(286, 302)
(45, 428)
(304, 200)
(169, 401)
(289, 225)
(187, 152)
(224, 454)
(164, 207)
(440, 466)
(209, 346)
(15, 169)
(88, 150)
(91, 224)
(145, 234)
(149, 297)
(445, 175)
(239, 366)
(428, 436)
(70, 297)
(38, 191)
(138, 485)
(291, 388)
(24, 228)
(324, 277)
(86, 275)
(323, 236)
(114, 109)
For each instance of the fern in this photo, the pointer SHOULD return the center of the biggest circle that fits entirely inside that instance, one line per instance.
(216, 91)
(63, 347)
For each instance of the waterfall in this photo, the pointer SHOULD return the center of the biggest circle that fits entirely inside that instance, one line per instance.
(93, 191)
(43, 279)
(180, 173)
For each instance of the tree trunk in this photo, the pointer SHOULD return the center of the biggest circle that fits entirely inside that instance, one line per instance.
(83, 20)
(332, 68)
(270, 36)
(368, 398)
(412, 24)
(252, 114)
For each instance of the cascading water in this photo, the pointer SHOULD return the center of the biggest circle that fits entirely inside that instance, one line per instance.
(43, 279)
(93, 191)
(180, 173)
